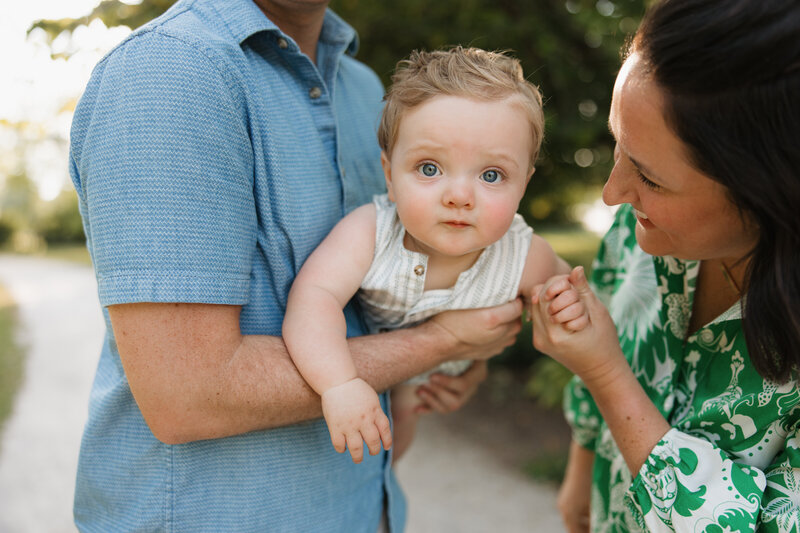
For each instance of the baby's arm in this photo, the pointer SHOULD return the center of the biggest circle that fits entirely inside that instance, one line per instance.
(315, 334)
(541, 264)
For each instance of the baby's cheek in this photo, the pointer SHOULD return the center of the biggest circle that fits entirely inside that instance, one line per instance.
(499, 218)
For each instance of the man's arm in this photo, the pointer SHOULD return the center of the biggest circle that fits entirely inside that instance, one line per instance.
(195, 376)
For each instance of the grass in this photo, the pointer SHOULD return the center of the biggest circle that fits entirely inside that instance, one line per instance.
(577, 246)
(548, 467)
(11, 356)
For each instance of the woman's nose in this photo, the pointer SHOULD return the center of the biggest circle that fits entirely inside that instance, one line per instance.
(618, 188)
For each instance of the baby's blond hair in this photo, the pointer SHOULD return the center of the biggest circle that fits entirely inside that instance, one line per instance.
(465, 72)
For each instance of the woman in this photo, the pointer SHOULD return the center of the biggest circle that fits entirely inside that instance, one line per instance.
(686, 415)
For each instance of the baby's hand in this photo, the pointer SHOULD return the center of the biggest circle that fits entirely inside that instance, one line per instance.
(565, 305)
(353, 412)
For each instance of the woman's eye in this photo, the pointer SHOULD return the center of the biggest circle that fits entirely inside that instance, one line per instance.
(490, 176)
(429, 169)
(647, 183)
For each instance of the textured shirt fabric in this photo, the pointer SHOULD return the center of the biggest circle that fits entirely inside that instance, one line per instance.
(392, 293)
(731, 461)
(211, 157)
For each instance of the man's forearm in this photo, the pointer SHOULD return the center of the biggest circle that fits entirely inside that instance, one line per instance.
(194, 376)
(261, 388)
(194, 379)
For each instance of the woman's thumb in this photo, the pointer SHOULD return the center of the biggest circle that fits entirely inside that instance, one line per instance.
(578, 279)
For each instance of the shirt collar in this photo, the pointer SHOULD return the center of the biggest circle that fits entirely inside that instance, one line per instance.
(244, 18)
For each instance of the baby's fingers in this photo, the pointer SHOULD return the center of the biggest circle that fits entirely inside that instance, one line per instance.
(338, 441)
(569, 313)
(563, 300)
(371, 437)
(556, 286)
(385, 430)
(578, 324)
(356, 446)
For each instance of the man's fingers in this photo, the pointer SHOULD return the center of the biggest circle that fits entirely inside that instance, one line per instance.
(441, 401)
(506, 313)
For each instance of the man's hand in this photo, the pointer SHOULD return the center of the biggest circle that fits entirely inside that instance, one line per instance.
(481, 333)
(353, 413)
(445, 394)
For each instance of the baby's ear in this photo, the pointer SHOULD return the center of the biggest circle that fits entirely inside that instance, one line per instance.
(533, 171)
(387, 174)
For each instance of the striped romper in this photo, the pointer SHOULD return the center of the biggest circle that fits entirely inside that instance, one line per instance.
(392, 294)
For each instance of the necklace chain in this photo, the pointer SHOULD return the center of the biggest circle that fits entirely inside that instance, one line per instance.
(729, 278)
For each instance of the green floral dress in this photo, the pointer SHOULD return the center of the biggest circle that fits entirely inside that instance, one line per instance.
(731, 461)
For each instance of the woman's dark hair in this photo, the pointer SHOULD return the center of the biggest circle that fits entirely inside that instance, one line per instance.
(730, 73)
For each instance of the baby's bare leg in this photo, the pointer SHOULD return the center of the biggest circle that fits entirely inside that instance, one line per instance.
(404, 417)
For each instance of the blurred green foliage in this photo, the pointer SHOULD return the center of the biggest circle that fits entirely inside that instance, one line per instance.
(548, 467)
(6, 230)
(569, 48)
(60, 221)
(11, 356)
(112, 13)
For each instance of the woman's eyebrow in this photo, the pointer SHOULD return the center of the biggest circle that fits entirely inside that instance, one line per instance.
(642, 168)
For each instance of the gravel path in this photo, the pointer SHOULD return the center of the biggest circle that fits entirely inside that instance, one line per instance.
(453, 484)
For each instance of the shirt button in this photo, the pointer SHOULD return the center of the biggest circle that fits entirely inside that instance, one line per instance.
(419, 270)
(315, 92)
(283, 44)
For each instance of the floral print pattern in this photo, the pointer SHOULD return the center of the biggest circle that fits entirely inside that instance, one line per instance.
(731, 462)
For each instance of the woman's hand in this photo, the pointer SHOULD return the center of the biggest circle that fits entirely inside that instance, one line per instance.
(594, 354)
(575, 492)
(586, 344)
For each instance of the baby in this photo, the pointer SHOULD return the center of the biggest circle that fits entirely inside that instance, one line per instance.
(460, 133)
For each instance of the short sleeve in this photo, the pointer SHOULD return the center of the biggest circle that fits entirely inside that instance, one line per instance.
(163, 164)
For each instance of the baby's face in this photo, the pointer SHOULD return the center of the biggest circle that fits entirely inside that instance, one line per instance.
(458, 170)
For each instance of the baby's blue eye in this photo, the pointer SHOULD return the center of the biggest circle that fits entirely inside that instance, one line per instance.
(429, 169)
(490, 176)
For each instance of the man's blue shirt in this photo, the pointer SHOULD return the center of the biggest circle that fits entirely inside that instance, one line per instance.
(210, 158)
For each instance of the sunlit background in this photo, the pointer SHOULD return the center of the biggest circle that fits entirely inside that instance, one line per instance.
(44, 75)
(41, 85)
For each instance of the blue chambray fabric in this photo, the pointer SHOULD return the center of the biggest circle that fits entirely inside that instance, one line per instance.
(207, 172)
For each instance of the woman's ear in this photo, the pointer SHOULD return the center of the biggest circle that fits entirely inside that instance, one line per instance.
(387, 174)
